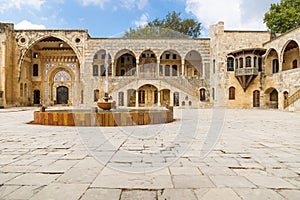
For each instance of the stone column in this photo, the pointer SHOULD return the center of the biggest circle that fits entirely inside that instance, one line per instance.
(158, 98)
(158, 63)
(112, 68)
(171, 98)
(137, 68)
(137, 98)
(182, 68)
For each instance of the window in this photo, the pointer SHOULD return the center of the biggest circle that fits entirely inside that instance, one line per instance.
(102, 72)
(176, 98)
(121, 98)
(202, 94)
(241, 62)
(259, 64)
(230, 62)
(35, 55)
(214, 66)
(167, 56)
(160, 70)
(167, 70)
(174, 70)
(155, 96)
(96, 56)
(95, 70)
(295, 65)
(255, 62)
(236, 63)
(96, 95)
(35, 70)
(248, 61)
(141, 96)
(231, 93)
(275, 66)
(213, 93)
(174, 56)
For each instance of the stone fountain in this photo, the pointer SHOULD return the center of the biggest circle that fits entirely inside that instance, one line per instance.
(106, 103)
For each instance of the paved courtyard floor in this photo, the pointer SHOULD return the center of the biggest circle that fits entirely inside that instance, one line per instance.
(204, 154)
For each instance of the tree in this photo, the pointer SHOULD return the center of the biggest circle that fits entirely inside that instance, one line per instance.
(283, 16)
(172, 26)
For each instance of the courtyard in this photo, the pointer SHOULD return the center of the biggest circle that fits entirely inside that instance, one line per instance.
(203, 154)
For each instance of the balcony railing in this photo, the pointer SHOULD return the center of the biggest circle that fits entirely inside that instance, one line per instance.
(246, 71)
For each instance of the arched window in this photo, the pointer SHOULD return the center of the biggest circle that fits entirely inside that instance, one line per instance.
(255, 61)
(25, 90)
(95, 70)
(259, 64)
(230, 63)
(161, 70)
(202, 94)
(174, 70)
(167, 70)
(241, 62)
(275, 66)
(121, 98)
(248, 61)
(176, 98)
(35, 70)
(96, 95)
(231, 93)
(214, 66)
(295, 64)
(102, 70)
(141, 96)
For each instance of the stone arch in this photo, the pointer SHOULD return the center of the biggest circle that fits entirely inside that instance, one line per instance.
(24, 49)
(147, 65)
(289, 53)
(172, 58)
(271, 55)
(148, 95)
(125, 63)
(271, 98)
(99, 60)
(193, 61)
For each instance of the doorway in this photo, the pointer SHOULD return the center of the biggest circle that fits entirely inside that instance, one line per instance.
(36, 97)
(62, 93)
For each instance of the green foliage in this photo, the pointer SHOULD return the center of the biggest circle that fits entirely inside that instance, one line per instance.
(283, 16)
(172, 26)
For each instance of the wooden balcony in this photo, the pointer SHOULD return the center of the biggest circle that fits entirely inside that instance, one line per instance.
(248, 71)
(246, 75)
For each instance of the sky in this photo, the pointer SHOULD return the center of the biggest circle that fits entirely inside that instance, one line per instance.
(111, 18)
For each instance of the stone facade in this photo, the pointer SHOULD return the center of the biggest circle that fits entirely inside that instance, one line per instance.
(241, 69)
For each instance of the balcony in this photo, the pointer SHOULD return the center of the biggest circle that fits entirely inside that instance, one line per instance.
(248, 71)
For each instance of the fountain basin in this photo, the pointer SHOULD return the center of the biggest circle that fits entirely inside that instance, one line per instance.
(102, 118)
(106, 105)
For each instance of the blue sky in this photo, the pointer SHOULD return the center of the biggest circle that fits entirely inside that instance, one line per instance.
(110, 18)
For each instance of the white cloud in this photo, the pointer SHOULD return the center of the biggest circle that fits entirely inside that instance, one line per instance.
(142, 4)
(99, 3)
(142, 21)
(28, 25)
(8, 4)
(131, 4)
(236, 14)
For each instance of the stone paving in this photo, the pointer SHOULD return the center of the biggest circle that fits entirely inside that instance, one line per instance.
(256, 155)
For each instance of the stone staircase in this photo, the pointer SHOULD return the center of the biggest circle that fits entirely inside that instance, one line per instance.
(291, 99)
